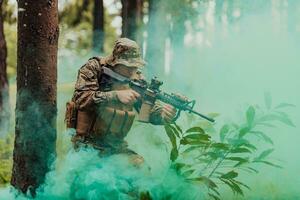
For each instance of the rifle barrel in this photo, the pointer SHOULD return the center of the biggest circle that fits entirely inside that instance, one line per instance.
(201, 115)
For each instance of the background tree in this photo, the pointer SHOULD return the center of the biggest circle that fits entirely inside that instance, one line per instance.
(80, 9)
(157, 31)
(4, 103)
(132, 14)
(98, 26)
(35, 133)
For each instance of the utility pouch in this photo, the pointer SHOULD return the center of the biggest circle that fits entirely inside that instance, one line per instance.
(85, 122)
(71, 115)
(114, 121)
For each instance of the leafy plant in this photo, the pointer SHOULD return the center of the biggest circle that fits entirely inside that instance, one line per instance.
(216, 162)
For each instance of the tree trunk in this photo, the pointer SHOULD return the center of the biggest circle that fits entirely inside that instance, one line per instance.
(132, 13)
(157, 33)
(98, 26)
(4, 100)
(35, 131)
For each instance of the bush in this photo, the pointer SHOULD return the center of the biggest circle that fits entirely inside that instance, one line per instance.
(217, 162)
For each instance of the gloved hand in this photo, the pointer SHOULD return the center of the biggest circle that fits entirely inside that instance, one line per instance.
(127, 97)
(168, 113)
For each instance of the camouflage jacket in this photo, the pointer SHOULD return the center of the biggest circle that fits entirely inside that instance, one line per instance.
(88, 95)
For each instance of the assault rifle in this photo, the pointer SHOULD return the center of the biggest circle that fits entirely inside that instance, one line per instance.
(150, 92)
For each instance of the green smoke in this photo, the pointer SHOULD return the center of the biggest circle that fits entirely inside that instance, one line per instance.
(236, 51)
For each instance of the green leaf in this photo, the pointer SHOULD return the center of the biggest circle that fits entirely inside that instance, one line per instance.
(215, 190)
(220, 146)
(240, 159)
(264, 154)
(228, 184)
(283, 114)
(266, 124)
(281, 117)
(175, 131)
(188, 173)
(233, 186)
(195, 129)
(252, 169)
(250, 146)
(178, 128)
(250, 115)
(171, 136)
(174, 154)
(208, 182)
(269, 117)
(223, 131)
(197, 136)
(240, 150)
(241, 163)
(213, 155)
(178, 166)
(191, 148)
(186, 141)
(240, 183)
(244, 131)
(230, 175)
(215, 197)
(238, 142)
(286, 120)
(263, 136)
(269, 163)
(237, 188)
(284, 105)
(268, 100)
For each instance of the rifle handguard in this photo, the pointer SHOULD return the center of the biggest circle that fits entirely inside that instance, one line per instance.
(144, 114)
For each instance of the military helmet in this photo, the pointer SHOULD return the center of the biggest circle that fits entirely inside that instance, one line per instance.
(126, 52)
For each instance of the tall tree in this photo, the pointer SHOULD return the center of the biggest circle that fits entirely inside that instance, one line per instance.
(98, 26)
(4, 103)
(132, 13)
(35, 131)
(75, 12)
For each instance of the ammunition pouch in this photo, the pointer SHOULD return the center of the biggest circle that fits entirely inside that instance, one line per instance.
(71, 115)
(114, 121)
(85, 122)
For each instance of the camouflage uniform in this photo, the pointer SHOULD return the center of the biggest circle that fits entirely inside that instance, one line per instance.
(100, 113)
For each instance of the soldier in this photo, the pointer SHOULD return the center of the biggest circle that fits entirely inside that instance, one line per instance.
(106, 109)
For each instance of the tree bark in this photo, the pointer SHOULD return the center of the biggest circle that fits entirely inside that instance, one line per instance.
(132, 13)
(4, 100)
(35, 131)
(98, 26)
(156, 41)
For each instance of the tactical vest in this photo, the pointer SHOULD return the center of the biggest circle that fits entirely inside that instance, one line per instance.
(113, 120)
